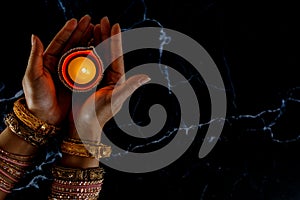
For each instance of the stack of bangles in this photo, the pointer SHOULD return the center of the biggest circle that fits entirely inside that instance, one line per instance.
(68, 183)
(72, 183)
(33, 130)
(12, 169)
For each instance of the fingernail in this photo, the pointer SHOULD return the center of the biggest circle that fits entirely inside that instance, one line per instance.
(105, 18)
(118, 27)
(33, 39)
(72, 22)
(115, 29)
(88, 16)
(144, 80)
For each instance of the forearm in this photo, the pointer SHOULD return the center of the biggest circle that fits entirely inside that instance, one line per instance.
(19, 144)
(14, 145)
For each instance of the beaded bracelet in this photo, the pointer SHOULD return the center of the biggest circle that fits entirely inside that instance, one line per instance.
(60, 196)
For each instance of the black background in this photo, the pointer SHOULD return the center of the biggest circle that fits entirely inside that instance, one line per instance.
(255, 46)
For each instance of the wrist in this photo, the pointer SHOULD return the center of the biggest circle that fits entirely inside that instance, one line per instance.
(83, 153)
(74, 161)
(14, 144)
(84, 133)
(43, 109)
(24, 132)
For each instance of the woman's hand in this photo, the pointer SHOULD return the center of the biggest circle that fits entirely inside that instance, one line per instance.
(98, 108)
(45, 98)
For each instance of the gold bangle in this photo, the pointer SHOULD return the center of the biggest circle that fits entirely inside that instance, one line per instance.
(24, 158)
(23, 114)
(5, 185)
(85, 148)
(24, 132)
(81, 141)
(15, 172)
(77, 174)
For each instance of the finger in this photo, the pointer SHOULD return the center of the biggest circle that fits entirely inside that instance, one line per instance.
(122, 92)
(105, 34)
(87, 35)
(97, 34)
(56, 46)
(105, 28)
(35, 62)
(115, 73)
(78, 33)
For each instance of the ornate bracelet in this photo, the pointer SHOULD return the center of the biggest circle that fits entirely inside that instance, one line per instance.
(24, 132)
(21, 111)
(85, 148)
(77, 174)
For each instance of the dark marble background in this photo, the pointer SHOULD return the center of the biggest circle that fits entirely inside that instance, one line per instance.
(255, 46)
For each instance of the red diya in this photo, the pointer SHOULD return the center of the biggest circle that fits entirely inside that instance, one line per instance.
(80, 69)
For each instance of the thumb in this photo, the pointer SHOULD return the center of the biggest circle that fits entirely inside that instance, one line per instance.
(122, 92)
(35, 62)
